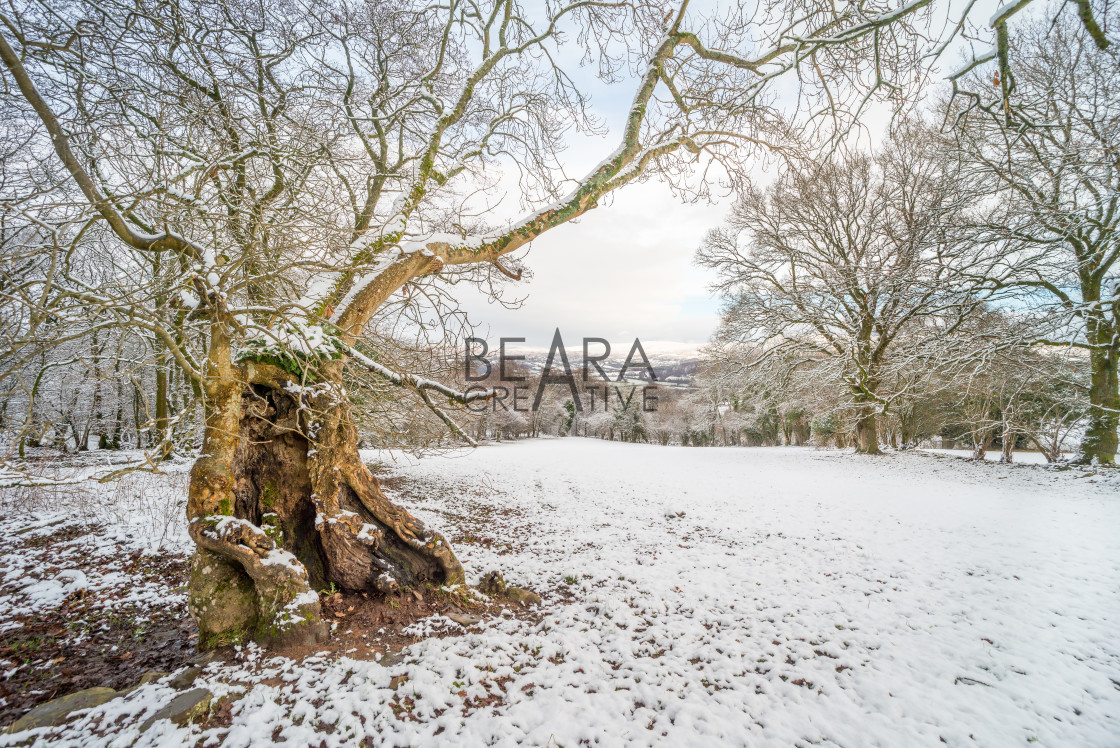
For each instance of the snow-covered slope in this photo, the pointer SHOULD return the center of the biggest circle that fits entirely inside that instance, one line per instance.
(703, 597)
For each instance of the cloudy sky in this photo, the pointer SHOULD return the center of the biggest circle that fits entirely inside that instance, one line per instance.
(626, 269)
(622, 271)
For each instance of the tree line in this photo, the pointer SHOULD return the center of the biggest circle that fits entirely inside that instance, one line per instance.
(961, 279)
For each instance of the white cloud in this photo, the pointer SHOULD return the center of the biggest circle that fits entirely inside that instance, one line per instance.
(624, 270)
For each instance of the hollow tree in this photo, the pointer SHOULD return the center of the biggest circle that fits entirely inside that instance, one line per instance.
(294, 171)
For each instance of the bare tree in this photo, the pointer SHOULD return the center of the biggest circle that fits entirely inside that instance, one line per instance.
(848, 268)
(1002, 387)
(1050, 151)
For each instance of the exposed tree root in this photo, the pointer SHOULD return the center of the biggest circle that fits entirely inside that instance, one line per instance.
(299, 513)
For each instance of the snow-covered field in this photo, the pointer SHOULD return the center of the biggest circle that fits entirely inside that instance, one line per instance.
(993, 455)
(771, 596)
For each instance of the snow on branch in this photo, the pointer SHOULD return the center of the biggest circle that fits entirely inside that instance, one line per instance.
(422, 386)
(403, 379)
(1007, 10)
(60, 138)
(972, 63)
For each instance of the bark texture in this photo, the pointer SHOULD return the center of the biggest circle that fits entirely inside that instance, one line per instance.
(281, 506)
(1099, 444)
(867, 431)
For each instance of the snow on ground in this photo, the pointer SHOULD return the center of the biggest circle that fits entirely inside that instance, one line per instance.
(1022, 457)
(91, 586)
(773, 596)
(141, 513)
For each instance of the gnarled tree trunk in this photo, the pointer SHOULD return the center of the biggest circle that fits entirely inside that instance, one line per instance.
(281, 506)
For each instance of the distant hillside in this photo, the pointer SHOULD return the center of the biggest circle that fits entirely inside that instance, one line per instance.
(676, 373)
